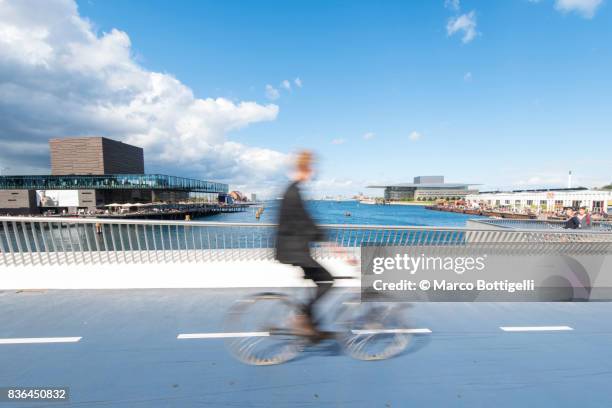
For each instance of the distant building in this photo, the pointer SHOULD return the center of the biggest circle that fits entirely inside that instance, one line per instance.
(237, 196)
(426, 188)
(94, 155)
(89, 173)
(253, 197)
(544, 199)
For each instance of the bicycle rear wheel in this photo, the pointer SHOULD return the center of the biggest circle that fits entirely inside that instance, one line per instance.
(262, 328)
(373, 330)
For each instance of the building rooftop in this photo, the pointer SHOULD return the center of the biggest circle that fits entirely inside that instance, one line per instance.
(537, 190)
(426, 185)
(110, 182)
(427, 182)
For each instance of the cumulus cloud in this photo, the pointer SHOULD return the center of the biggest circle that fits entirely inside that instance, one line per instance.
(338, 141)
(286, 85)
(464, 24)
(58, 77)
(272, 93)
(369, 135)
(297, 82)
(333, 187)
(585, 8)
(414, 136)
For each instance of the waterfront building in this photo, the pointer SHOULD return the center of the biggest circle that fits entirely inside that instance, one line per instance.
(426, 188)
(543, 200)
(94, 155)
(90, 173)
(237, 196)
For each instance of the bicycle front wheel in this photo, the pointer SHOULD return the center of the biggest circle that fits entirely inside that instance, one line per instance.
(262, 330)
(373, 331)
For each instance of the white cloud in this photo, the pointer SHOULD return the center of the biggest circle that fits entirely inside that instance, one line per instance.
(464, 24)
(414, 136)
(333, 187)
(332, 183)
(452, 5)
(286, 85)
(297, 82)
(272, 93)
(338, 141)
(585, 8)
(467, 77)
(58, 77)
(369, 136)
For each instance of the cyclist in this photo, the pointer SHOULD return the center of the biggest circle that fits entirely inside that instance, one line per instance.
(296, 231)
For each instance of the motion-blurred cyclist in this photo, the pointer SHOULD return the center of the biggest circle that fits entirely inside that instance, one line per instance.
(296, 231)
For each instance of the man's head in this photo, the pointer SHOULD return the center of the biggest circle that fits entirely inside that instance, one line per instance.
(303, 165)
(569, 211)
(582, 210)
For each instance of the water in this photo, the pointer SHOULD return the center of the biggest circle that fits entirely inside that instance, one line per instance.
(74, 237)
(332, 212)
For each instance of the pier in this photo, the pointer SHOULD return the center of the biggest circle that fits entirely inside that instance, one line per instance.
(177, 211)
(481, 212)
(161, 211)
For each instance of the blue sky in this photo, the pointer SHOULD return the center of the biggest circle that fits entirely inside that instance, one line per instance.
(517, 97)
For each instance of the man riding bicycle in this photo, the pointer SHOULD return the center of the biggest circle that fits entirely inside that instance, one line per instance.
(296, 231)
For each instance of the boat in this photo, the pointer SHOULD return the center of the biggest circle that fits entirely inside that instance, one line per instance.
(368, 201)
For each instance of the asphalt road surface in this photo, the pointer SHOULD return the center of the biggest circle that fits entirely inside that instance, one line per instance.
(120, 349)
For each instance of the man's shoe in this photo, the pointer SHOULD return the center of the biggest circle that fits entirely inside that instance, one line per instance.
(302, 325)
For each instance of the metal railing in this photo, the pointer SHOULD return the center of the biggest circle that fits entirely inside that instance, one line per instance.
(46, 240)
(540, 224)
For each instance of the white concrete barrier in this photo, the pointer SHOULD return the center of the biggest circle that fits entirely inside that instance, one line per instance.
(233, 274)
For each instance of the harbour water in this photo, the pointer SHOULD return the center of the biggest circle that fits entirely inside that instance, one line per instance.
(337, 212)
(60, 236)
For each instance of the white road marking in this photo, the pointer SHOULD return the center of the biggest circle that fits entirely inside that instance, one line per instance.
(392, 331)
(221, 335)
(535, 328)
(39, 340)
(265, 334)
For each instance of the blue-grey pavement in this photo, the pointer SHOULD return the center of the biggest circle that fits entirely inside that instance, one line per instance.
(129, 355)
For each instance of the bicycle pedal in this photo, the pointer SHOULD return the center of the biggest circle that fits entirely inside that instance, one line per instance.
(327, 334)
(321, 336)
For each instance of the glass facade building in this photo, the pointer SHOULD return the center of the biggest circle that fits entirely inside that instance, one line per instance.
(426, 188)
(89, 173)
(111, 182)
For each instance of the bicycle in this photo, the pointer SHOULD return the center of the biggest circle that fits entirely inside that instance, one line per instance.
(263, 329)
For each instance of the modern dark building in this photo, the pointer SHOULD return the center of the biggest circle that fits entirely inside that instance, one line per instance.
(89, 173)
(94, 155)
(426, 188)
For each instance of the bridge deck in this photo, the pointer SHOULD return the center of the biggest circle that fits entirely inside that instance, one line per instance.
(129, 355)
